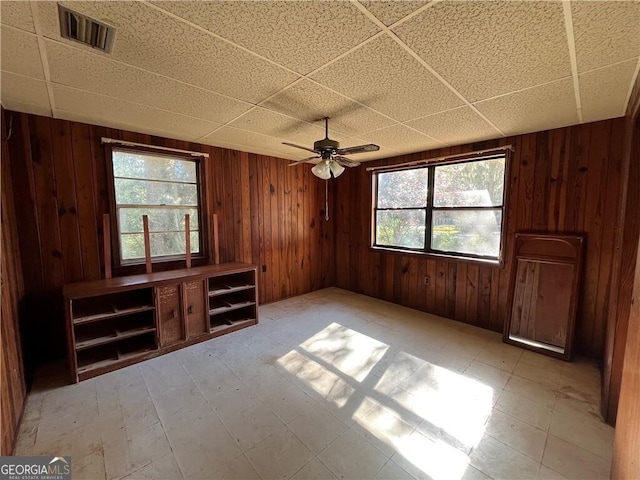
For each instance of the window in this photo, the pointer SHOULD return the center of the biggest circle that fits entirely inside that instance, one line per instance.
(452, 208)
(163, 187)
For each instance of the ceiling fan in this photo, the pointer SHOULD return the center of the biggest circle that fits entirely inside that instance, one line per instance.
(332, 156)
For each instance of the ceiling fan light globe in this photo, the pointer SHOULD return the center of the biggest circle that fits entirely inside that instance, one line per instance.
(322, 170)
(336, 169)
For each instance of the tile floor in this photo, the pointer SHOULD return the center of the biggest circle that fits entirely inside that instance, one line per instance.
(331, 385)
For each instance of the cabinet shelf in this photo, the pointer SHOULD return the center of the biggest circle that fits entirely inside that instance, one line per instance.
(232, 325)
(223, 289)
(113, 360)
(229, 307)
(118, 335)
(113, 314)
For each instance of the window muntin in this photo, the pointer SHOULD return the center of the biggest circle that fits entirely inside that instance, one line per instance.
(452, 209)
(165, 188)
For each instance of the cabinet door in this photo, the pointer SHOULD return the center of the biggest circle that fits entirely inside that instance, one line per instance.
(197, 318)
(169, 315)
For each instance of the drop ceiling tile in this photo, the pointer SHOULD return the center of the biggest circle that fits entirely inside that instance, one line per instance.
(242, 148)
(19, 89)
(485, 49)
(235, 136)
(78, 105)
(605, 32)
(389, 12)
(384, 76)
(299, 35)
(20, 53)
(603, 92)
(455, 127)
(267, 122)
(27, 108)
(17, 14)
(539, 108)
(310, 102)
(401, 139)
(150, 39)
(107, 77)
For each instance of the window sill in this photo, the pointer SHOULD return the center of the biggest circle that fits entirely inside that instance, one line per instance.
(439, 256)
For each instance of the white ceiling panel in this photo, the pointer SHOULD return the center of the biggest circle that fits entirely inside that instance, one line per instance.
(20, 53)
(383, 75)
(605, 32)
(487, 48)
(284, 31)
(454, 127)
(17, 14)
(150, 39)
(405, 75)
(539, 108)
(310, 102)
(96, 109)
(84, 69)
(604, 92)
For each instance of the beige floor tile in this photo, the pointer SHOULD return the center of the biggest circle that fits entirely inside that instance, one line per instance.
(522, 408)
(278, 456)
(164, 468)
(392, 471)
(238, 469)
(574, 462)
(425, 458)
(317, 428)
(352, 456)
(357, 380)
(517, 434)
(490, 376)
(585, 431)
(500, 461)
(546, 473)
(314, 470)
(253, 425)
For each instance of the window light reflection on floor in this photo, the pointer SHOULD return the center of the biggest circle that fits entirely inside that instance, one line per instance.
(429, 416)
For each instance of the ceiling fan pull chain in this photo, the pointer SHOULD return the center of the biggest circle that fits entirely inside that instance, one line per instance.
(326, 200)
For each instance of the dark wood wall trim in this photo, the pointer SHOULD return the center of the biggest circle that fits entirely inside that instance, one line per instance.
(565, 180)
(12, 381)
(269, 214)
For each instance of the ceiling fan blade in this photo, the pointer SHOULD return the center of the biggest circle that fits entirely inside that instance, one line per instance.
(369, 147)
(304, 160)
(345, 162)
(298, 146)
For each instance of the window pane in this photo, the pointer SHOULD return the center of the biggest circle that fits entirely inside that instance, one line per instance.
(467, 231)
(469, 184)
(400, 228)
(141, 192)
(406, 188)
(160, 219)
(162, 244)
(140, 165)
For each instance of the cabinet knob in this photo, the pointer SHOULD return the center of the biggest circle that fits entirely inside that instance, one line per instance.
(174, 313)
(190, 309)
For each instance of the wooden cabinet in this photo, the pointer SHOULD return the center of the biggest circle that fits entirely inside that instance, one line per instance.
(544, 293)
(169, 315)
(195, 313)
(116, 322)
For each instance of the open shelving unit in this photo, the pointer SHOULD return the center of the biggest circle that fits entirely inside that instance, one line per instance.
(115, 322)
(232, 302)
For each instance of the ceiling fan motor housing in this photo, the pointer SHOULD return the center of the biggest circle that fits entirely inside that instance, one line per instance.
(326, 147)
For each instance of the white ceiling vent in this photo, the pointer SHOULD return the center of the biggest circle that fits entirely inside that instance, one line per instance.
(83, 29)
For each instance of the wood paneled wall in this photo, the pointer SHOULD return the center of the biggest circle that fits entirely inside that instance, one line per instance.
(12, 383)
(269, 214)
(625, 374)
(563, 180)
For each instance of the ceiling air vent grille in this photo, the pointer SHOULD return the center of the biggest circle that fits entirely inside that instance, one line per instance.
(83, 29)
